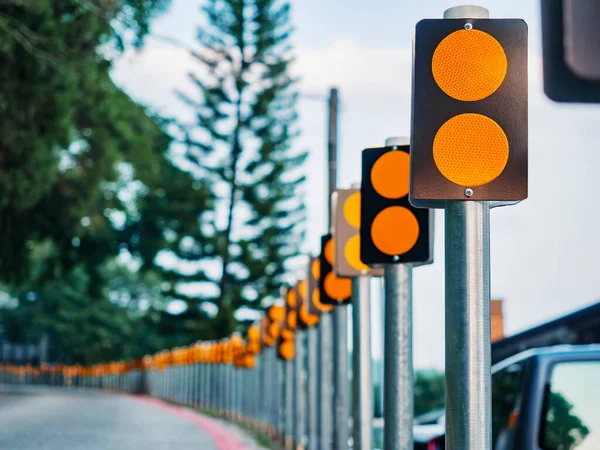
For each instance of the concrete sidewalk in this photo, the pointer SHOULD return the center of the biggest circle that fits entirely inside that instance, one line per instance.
(39, 418)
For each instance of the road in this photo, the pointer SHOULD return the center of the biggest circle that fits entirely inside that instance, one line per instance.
(38, 418)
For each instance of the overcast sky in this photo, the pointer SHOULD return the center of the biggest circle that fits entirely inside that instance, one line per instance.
(544, 250)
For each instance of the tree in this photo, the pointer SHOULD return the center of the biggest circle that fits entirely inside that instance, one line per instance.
(563, 430)
(430, 391)
(76, 158)
(65, 125)
(242, 142)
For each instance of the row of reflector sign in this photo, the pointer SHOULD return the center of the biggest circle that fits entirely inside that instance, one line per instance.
(468, 142)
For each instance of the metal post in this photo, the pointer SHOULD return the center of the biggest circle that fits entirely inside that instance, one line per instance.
(325, 383)
(202, 383)
(231, 389)
(255, 405)
(267, 390)
(398, 406)
(289, 406)
(468, 340)
(362, 392)
(325, 334)
(275, 391)
(397, 359)
(311, 391)
(341, 381)
(299, 411)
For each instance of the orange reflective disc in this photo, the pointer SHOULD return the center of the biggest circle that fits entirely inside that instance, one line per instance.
(286, 350)
(390, 174)
(469, 65)
(292, 320)
(291, 299)
(337, 288)
(470, 150)
(352, 210)
(254, 333)
(287, 334)
(328, 251)
(316, 299)
(303, 288)
(276, 313)
(395, 230)
(249, 361)
(316, 269)
(352, 254)
(273, 330)
(309, 319)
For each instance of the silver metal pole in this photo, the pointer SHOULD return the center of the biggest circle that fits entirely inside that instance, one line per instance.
(398, 375)
(325, 385)
(289, 406)
(325, 335)
(267, 389)
(398, 359)
(311, 391)
(275, 401)
(362, 387)
(468, 339)
(341, 381)
(281, 399)
(299, 406)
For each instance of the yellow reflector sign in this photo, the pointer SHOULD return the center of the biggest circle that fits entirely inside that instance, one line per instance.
(390, 175)
(352, 210)
(395, 230)
(328, 252)
(337, 288)
(470, 150)
(352, 254)
(469, 65)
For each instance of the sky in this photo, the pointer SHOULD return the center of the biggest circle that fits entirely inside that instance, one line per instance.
(543, 251)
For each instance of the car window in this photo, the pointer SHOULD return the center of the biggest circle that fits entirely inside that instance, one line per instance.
(571, 417)
(505, 395)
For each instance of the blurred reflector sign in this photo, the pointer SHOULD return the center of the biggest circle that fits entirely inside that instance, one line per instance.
(392, 230)
(315, 306)
(571, 48)
(334, 290)
(346, 235)
(469, 111)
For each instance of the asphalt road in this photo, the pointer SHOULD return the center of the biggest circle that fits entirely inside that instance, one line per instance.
(36, 418)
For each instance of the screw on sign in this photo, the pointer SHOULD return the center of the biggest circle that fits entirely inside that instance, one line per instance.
(333, 289)
(392, 231)
(473, 144)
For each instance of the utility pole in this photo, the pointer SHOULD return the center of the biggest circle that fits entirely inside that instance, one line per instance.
(325, 335)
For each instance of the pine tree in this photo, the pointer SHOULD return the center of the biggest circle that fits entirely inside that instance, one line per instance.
(242, 141)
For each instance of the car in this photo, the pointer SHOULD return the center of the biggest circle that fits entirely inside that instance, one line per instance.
(542, 399)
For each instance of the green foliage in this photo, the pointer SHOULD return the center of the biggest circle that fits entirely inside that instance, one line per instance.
(429, 391)
(242, 144)
(65, 125)
(76, 158)
(91, 200)
(563, 430)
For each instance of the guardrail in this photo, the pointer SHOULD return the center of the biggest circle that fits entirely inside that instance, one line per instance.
(242, 381)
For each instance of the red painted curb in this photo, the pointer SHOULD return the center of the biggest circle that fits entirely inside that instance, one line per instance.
(221, 437)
